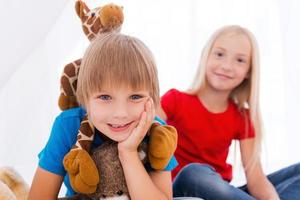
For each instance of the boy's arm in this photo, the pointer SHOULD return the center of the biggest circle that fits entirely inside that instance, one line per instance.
(142, 186)
(258, 184)
(45, 185)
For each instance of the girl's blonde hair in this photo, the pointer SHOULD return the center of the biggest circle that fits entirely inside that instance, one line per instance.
(115, 60)
(246, 95)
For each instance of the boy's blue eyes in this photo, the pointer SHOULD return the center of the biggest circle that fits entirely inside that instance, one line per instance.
(132, 97)
(104, 97)
(135, 97)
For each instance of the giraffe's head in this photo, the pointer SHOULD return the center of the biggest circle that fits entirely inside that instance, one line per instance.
(99, 20)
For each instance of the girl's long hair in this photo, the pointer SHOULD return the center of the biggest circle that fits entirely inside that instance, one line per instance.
(246, 95)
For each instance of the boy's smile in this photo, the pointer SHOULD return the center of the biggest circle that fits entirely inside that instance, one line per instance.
(119, 127)
(116, 111)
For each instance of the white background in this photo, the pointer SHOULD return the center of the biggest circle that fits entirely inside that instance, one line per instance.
(38, 38)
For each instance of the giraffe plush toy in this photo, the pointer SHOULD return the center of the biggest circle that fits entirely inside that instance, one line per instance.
(82, 170)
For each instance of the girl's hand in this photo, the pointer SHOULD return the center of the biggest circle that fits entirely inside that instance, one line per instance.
(139, 132)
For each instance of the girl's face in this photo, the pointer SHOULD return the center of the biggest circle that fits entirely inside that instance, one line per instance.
(115, 112)
(229, 62)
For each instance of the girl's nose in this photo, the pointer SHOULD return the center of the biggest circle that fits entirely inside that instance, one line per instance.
(227, 64)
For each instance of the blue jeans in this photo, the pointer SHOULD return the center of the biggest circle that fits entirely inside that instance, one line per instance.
(201, 180)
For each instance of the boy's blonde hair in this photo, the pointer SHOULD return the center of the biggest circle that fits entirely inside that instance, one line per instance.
(246, 95)
(117, 60)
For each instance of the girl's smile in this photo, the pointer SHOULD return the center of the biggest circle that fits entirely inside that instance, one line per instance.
(228, 63)
(222, 76)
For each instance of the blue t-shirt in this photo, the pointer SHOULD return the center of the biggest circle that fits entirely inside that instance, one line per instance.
(63, 136)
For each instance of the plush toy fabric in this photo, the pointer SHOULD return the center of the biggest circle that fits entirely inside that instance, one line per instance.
(82, 170)
(112, 183)
(12, 185)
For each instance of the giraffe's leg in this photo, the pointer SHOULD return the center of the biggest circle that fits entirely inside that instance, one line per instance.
(82, 171)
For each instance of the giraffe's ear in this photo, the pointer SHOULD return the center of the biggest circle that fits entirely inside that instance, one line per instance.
(81, 9)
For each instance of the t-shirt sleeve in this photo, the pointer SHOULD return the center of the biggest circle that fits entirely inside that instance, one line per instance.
(245, 127)
(172, 164)
(58, 145)
(168, 103)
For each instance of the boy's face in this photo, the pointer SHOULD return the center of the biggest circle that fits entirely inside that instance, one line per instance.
(115, 112)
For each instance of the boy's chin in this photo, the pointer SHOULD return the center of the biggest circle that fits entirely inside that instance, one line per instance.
(120, 138)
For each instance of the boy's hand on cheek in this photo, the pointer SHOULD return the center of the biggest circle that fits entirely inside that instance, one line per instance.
(138, 133)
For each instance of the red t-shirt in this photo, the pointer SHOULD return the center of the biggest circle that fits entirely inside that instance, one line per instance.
(203, 137)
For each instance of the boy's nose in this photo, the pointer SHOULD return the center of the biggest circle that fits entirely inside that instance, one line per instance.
(120, 111)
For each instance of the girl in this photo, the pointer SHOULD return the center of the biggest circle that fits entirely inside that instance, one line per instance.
(223, 105)
(118, 87)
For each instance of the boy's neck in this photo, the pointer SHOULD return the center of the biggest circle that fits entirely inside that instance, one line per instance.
(214, 101)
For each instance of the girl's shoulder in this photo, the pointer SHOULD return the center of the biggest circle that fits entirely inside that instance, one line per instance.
(179, 94)
(241, 112)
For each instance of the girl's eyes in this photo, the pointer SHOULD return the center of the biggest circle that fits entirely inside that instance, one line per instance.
(241, 60)
(219, 54)
(105, 97)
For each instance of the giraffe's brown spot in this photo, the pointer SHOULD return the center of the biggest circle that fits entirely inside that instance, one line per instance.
(73, 102)
(91, 20)
(85, 118)
(79, 137)
(84, 18)
(78, 62)
(96, 26)
(65, 84)
(86, 129)
(70, 70)
(85, 144)
(67, 102)
(91, 36)
(85, 30)
(74, 84)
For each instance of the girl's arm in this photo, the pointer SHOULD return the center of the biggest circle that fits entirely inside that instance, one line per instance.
(45, 185)
(258, 184)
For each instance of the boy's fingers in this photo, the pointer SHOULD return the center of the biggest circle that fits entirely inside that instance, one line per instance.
(139, 131)
(150, 111)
